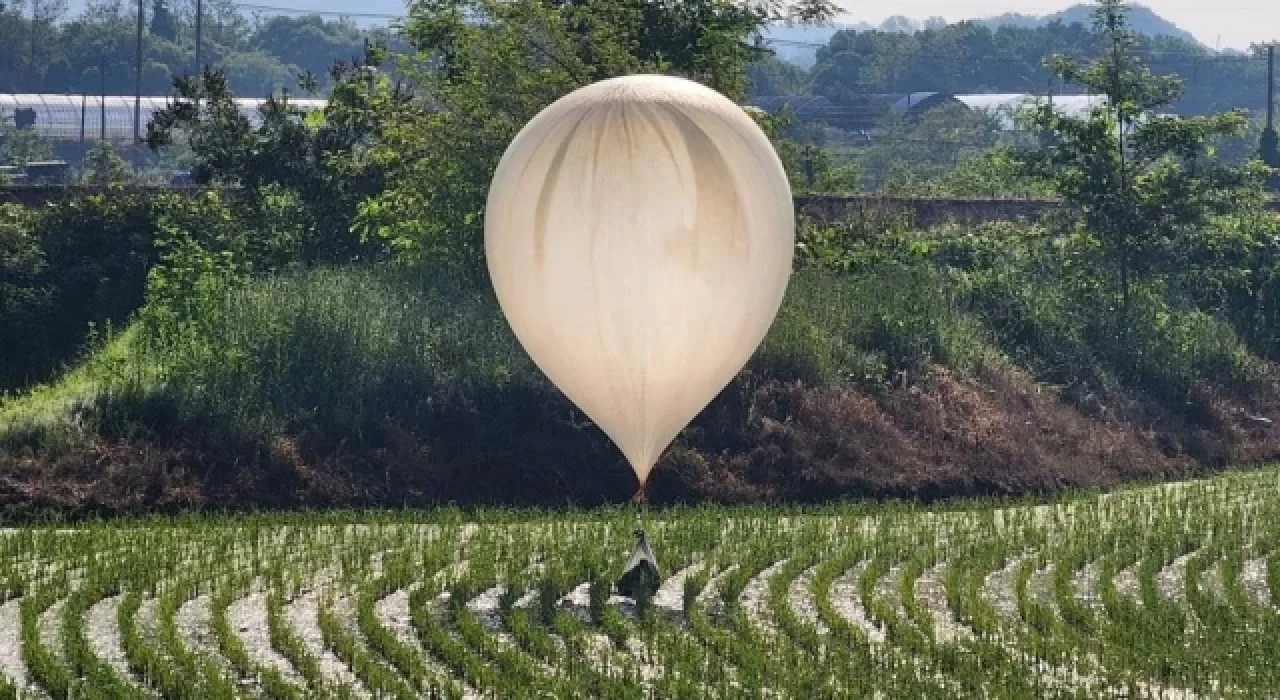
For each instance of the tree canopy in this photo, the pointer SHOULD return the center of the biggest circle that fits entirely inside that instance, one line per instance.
(971, 57)
(96, 50)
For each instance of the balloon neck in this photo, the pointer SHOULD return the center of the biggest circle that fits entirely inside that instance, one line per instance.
(640, 498)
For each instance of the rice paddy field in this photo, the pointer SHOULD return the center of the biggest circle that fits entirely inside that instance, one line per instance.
(1156, 592)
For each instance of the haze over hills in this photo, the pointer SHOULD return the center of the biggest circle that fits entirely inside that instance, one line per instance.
(795, 44)
(1143, 19)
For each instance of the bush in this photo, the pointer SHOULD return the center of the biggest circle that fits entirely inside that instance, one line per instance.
(949, 294)
(103, 166)
(1168, 352)
(24, 294)
(90, 270)
(92, 261)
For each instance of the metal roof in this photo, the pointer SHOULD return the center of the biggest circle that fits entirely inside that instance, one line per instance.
(800, 105)
(73, 117)
(921, 101)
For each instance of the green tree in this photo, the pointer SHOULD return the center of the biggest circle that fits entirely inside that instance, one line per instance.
(481, 81)
(258, 57)
(1142, 181)
(909, 149)
(970, 57)
(103, 166)
(24, 295)
(772, 76)
(309, 43)
(19, 146)
(313, 162)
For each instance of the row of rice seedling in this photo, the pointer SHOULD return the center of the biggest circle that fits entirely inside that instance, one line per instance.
(1165, 591)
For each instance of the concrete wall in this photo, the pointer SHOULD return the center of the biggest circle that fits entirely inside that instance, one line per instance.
(921, 211)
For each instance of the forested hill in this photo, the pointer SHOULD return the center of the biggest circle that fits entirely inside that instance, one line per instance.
(973, 57)
(798, 44)
(1143, 19)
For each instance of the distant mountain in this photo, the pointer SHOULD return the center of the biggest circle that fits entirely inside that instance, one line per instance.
(799, 44)
(1143, 19)
(792, 41)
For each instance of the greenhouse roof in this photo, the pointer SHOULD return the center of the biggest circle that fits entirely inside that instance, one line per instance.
(1005, 106)
(81, 117)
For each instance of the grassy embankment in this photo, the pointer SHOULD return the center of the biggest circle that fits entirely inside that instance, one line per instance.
(916, 375)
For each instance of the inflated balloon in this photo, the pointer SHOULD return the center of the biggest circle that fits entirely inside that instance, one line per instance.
(639, 235)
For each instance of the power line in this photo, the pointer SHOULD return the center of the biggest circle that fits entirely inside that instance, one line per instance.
(1151, 52)
(322, 13)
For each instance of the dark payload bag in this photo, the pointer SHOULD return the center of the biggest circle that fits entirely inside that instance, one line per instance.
(641, 571)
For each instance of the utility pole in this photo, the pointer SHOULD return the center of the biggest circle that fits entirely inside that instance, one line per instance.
(1271, 87)
(35, 27)
(1270, 150)
(199, 38)
(102, 98)
(137, 82)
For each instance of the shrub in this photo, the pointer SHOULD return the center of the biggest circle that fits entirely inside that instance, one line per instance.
(94, 253)
(24, 294)
(92, 261)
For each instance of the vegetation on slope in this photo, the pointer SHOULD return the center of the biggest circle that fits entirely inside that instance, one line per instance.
(910, 374)
(328, 336)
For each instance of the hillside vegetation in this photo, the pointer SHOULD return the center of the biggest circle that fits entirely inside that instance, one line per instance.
(326, 335)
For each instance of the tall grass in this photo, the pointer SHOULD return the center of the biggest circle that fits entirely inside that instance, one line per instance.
(887, 323)
(331, 346)
(331, 349)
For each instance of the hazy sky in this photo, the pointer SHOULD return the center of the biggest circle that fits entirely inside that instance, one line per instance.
(1236, 23)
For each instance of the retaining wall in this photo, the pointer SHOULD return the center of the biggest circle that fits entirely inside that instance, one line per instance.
(923, 211)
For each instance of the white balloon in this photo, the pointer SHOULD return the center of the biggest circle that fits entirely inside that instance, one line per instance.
(639, 235)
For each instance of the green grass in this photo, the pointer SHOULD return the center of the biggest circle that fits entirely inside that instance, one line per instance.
(49, 414)
(331, 348)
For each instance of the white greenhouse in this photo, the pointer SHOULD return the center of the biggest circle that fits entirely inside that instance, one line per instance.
(80, 117)
(1006, 106)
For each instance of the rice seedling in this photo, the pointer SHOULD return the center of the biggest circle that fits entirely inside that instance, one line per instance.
(1164, 591)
